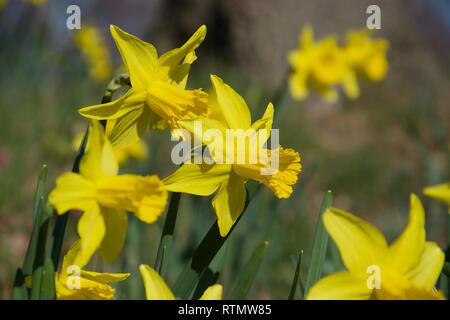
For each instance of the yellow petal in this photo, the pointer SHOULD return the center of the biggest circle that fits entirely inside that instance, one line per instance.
(123, 132)
(99, 158)
(213, 293)
(155, 286)
(180, 73)
(351, 86)
(145, 196)
(282, 179)
(139, 56)
(115, 233)
(91, 229)
(72, 192)
(427, 271)
(340, 286)
(133, 99)
(173, 57)
(198, 179)
(70, 256)
(360, 244)
(104, 277)
(88, 290)
(229, 203)
(233, 106)
(265, 123)
(297, 86)
(440, 192)
(406, 251)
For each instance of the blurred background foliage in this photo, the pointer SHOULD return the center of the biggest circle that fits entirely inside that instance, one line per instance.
(371, 152)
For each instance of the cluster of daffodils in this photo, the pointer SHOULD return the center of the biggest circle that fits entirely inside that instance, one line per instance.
(325, 65)
(158, 99)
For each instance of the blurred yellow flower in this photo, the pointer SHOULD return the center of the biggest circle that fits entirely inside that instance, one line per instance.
(366, 56)
(86, 285)
(230, 111)
(158, 96)
(3, 3)
(407, 269)
(319, 66)
(439, 192)
(157, 289)
(104, 197)
(324, 65)
(137, 150)
(95, 51)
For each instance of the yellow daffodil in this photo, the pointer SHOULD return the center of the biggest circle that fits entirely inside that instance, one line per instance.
(158, 95)
(439, 192)
(407, 269)
(157, 289)
(227, 180)
(367, 56)
(74, 283)
(104, 197)
(319, 66)
(90, 42)
(137, 150)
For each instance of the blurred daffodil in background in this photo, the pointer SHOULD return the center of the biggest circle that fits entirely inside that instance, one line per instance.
(104, 197)
(230, 111)
(323, 66)
(158, 96)
(408, 268)
(137, 150)
(439, 192)
(90, 42)
(157, 289)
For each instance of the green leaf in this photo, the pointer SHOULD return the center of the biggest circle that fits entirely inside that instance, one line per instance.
(248, 274)
(37, 212)
(212, 273)
(48, 281)
(165, 243)
(40, 254)
(206, 251)
(446, 269)
(295, 282)
(19, 291)
(319, 248)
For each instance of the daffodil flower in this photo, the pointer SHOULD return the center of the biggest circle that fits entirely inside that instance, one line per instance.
(406, 269)
(227, 181)
(366, 56)
(158, 96)
(74, 283)
(439, 192)
(319, 66)
(104, 197)
(157, 289)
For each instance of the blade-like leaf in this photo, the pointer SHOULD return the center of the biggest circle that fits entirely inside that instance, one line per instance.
(211, 275)
(319, 248)
(248, 274)
(295, 282)
(48, 281)
(19, 291)
(32, 245)
(205, 253)
(167, 235)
